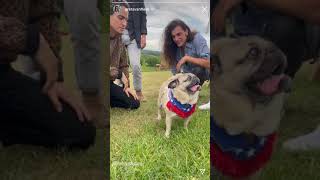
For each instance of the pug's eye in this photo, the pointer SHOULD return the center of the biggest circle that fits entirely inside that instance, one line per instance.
(254, 52)
(188, 79)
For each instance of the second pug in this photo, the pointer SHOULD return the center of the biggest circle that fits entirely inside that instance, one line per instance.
(249, 85)
(177, 97)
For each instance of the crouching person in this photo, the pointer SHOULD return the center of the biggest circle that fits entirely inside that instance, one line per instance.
(121, 95)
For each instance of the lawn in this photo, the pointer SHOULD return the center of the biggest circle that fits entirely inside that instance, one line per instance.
(21, 162)
(139, 149)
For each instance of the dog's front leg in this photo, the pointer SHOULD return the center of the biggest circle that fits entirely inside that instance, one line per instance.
(159, 114)
(186, 122)
(168, 125)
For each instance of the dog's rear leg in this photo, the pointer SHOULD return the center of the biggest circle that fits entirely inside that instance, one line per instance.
(168, 126)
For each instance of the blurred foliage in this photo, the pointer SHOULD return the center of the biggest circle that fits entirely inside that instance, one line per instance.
(151, 60)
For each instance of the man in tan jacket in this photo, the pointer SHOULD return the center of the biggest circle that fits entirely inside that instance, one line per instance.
(122, 97)
(32, 111)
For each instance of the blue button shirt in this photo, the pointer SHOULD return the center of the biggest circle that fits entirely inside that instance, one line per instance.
(197, 48)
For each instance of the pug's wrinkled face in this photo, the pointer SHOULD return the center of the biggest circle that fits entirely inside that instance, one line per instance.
(186, 82)
(250, 66)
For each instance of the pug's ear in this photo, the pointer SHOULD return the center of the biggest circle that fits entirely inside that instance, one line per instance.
(173, 84)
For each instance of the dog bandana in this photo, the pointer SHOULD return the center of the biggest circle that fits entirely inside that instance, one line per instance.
(182, 110)
(234, 155)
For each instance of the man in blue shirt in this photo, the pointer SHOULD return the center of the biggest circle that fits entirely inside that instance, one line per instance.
(186, 51)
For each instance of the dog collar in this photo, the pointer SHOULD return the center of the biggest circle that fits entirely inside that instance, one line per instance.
(237, 145)
(234, 156)
(182, 110)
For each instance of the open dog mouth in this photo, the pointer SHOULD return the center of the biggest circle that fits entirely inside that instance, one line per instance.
(194, 85)
(269, 79)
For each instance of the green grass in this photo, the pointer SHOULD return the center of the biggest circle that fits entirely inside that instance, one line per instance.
(139, 149)
(36, 163)
(302, 116)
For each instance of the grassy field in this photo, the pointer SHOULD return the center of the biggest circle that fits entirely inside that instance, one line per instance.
(302, 116)
(139, 149)
(21, 162)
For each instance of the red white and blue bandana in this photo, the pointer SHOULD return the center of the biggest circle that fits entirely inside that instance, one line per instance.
(182, 110)
(234, 156)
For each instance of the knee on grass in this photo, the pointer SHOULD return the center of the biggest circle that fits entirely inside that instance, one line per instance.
(134, 104)
(81, 138)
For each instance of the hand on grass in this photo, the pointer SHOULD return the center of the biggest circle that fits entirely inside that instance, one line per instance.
(131, 92)
(57, 93)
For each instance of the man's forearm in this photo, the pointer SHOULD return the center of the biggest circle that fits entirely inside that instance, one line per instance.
(46, 15)
(200, 62)
(308, 10)
(125, 80)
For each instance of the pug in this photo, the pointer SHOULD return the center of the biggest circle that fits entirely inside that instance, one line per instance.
(249, 85)
(178, 97)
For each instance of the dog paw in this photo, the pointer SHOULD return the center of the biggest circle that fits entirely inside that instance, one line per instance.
(167, 135)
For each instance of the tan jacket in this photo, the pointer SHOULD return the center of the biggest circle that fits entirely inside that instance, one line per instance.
(16, 16)
(118, 58)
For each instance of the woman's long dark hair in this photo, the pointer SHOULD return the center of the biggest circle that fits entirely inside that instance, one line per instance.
(169, 46)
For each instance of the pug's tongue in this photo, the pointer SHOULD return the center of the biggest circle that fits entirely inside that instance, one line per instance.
(271, 85)
(194, 88)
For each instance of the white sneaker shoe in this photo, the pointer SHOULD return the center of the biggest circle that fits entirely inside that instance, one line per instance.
(309, 141)
(205, 106)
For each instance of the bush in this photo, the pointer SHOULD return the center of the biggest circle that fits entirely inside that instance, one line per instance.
(143, 59)
(151, 61)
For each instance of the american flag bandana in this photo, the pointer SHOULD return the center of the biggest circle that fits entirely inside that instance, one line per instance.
(234, 155)
(182, 110)
(237, 145)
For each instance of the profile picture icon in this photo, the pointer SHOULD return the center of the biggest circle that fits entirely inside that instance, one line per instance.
(116, 8)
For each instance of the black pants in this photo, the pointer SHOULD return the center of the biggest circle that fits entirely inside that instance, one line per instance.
(28, 117)
(118, 98)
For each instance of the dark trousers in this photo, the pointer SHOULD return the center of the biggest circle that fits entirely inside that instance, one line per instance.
(27, 116)
(118, 98)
